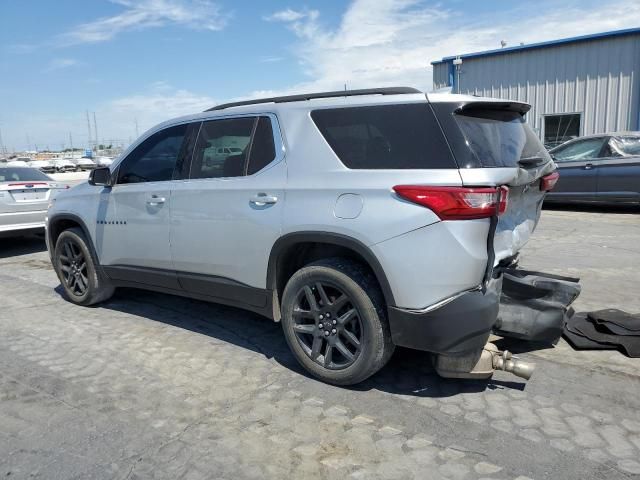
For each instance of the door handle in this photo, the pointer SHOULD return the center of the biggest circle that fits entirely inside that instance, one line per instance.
(156, 200)
(263, 199)
(588, 166)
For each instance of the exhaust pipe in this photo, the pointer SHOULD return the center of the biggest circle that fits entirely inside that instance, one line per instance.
(481, 364)
(505, 361)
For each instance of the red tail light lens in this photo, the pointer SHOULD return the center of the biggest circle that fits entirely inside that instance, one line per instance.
(457, 203)
(549, 181)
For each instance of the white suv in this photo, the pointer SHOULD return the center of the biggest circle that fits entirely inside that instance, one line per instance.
(361, 220)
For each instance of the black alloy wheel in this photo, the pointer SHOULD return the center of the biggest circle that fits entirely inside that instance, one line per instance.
(327, 325)
(73, 267)
(82, 281)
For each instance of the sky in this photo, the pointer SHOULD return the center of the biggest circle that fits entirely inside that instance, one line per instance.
(136, 63)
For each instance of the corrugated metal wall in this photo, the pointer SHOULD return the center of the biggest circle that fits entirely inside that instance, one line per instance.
(440, 75)
(598, 78)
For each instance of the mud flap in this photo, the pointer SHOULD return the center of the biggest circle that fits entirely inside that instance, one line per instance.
(535, 306)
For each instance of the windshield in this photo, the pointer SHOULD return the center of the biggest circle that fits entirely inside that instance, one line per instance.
(21, 175)
(501, 138)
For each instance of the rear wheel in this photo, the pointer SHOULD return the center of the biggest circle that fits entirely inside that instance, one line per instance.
(82, 283)
(334, 321)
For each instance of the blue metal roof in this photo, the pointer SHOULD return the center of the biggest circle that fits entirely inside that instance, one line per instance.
(550, 43)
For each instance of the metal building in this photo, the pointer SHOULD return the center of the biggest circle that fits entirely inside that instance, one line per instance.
(576, 86)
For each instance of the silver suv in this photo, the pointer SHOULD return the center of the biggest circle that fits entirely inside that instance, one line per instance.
(360, 220)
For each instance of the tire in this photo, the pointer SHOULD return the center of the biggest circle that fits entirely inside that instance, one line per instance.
(76, 268)
(359, 315)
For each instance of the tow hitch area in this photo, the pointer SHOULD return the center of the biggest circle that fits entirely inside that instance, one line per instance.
(535, 306)
(481, 364)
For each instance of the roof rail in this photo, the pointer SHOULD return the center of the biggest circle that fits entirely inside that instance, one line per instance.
(310, 96)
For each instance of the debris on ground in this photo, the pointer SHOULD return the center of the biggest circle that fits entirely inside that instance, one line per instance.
(609, 329)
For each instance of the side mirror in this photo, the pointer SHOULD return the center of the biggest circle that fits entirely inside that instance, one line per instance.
(100, 176)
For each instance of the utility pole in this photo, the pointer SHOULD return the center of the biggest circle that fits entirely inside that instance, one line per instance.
(71, 143)
(89, 128)
(2, 147)
(95, 126)
(457, 62)
(137, 134)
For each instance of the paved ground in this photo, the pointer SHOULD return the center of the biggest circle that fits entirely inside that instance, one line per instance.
(153, 386)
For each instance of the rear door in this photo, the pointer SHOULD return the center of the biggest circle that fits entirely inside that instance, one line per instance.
(619, 170)
(227, 215)
(578, 166)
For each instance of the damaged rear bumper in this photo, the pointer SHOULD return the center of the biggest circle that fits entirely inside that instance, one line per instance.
(459, 324)
(535, 306)
(517, 303)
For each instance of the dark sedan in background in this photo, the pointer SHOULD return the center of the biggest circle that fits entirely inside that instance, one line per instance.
(598, 169)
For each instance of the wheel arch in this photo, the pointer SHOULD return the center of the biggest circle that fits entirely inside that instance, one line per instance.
(63, 221)
(282, 260)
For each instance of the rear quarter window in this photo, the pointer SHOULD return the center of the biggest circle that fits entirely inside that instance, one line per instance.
(405, 136)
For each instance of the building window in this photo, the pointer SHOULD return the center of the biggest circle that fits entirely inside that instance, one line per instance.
(560, 128)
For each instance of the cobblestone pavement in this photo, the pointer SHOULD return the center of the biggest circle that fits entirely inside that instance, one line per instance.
(154, 386)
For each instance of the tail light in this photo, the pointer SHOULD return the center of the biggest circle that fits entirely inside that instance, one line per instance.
(549, 181)
(458, 203)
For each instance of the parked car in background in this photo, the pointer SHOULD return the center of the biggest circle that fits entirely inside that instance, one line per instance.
(63, 165)
(392, 222)
(84, 163)
(103, 161)
(17, 163)
(598, 169)
(25, 193)
(45, 166)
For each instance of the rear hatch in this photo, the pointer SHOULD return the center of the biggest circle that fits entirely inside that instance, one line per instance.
(24, 190)
(493, 145)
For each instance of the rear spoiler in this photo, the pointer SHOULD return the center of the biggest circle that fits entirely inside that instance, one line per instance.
(519, 107)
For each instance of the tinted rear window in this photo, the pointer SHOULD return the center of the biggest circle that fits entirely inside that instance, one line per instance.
(17, 174)
(501, 138)
(385, 137)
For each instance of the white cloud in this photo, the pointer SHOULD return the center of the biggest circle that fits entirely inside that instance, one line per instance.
(61, 63)
(143, 14)
(116, 118)
(287, 15)
(392, 42)
(270, 59)
(160, 103)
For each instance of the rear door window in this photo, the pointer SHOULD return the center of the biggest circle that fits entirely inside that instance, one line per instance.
(233, 147)
(501, 138)
(263, 149)
(405, 136)
(580, 150)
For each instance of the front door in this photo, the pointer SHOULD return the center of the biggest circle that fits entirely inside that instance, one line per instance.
(226, 217)
(141, 198)
(577, 164)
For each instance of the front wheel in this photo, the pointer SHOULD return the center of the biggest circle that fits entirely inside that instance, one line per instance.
(82, 283)
(334, 321)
